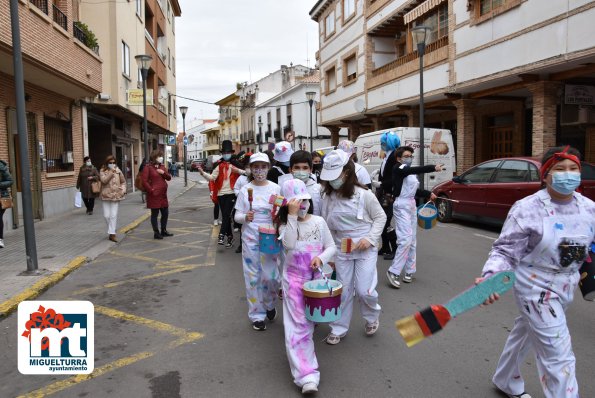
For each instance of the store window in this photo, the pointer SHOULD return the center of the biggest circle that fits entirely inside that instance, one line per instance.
(58, 145)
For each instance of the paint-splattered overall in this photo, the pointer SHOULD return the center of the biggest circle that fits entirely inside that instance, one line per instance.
(261, 272)
(405, 215)
(357, 269)
(545, 284)
(298, 330)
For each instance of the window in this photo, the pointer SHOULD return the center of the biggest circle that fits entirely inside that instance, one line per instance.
(173, 65)
(481, 174)
(350, 69)
(168, 11)
(125, 59)
(331, 80)
(437, 21)
(329, 24)
(168, 57)
(513, 171)
(139, 7)
(482, 10)
(58, 145)
(348, 9)
(487, 6)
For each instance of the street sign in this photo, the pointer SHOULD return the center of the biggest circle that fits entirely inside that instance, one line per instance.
(185, 141)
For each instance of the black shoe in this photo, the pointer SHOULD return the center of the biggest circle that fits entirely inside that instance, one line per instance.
(239, 249)
(390, 256)
(230, 241)
(259, 325)
(164, 233)
(271, 315)
(157, 235)
(221, 240)
(90, 213)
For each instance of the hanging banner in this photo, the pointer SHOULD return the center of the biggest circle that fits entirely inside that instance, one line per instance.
(134, 97)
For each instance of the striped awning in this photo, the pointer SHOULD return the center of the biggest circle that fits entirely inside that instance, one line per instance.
(421, 9)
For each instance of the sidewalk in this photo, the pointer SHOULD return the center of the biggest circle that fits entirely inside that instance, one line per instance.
(64, 243)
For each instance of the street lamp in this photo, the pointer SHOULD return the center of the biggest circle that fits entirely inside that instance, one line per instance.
(260, 140)
(420, 35)
(183, 110)
(310, 96)
(145, 62)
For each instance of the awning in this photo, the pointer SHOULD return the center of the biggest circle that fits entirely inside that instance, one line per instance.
(421, 9)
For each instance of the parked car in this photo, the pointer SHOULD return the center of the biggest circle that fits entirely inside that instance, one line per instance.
(196, 163)
(210, 162)
(486, 192)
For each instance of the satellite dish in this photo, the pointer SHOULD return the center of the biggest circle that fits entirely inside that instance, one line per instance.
(359, 105)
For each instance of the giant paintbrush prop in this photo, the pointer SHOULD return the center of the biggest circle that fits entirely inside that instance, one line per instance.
(431, 320)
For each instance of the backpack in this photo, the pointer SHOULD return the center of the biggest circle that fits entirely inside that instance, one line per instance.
(138, 182)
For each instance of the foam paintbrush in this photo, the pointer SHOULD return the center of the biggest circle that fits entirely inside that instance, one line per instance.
(432, 319)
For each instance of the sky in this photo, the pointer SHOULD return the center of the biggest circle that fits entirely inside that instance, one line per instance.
(222, 42)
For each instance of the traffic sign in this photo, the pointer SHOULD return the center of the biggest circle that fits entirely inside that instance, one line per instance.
(185, 141)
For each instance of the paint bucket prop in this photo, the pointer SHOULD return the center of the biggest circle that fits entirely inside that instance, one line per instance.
(267, 240)
(322, 305)
(427, 216)
(587, 277)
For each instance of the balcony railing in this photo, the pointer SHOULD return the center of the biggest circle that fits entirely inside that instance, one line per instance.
(60, 18)
(443, 41)
(42, 5)
(81, 36)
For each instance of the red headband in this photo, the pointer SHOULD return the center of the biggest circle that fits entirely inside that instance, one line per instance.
(558, 156)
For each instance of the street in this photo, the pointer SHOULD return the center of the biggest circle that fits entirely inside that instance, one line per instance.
(170, 321)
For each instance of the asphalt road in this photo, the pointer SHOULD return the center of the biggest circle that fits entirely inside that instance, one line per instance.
(171, 322)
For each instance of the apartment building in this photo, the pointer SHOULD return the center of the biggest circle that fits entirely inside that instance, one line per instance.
(230, 119)
(212, 140)
(196, 140)
(61, 71)
(125, 29)
(508, 77)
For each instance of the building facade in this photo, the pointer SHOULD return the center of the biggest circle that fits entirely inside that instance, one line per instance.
(230, 120)
(197, 140)
(125, 30)
(480, 80)
(61, 71)
(212, 140)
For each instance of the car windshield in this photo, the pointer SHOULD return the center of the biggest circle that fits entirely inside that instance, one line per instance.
(481, 173)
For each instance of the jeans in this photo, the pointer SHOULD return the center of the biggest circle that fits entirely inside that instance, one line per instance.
(226, 202)
(164, 216)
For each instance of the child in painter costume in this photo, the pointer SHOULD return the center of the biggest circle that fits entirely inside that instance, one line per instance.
(309, 244)
(260, 269)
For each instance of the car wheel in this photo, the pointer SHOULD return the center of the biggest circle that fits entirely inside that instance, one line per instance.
(444, 210)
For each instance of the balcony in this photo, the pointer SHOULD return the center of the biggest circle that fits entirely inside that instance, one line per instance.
(82, 33)
(59, 17)
(42, 5)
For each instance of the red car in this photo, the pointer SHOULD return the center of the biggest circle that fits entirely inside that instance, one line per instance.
(487, 191)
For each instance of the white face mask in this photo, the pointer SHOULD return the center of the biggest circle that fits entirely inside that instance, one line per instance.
(160, 160)
(88, 163)
(111, 166)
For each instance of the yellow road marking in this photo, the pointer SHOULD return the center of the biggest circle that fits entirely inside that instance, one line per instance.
(158, 242)
(169, 247)
(40, 286)
(135, 223)
(163, 327)
(212, 249)
(185, 221)
(177, 260)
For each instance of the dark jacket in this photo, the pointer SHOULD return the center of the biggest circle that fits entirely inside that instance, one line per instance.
(274, 173)
(399, 174)
(156, 185)
(5, 179)
(83, 183)
(386, 177)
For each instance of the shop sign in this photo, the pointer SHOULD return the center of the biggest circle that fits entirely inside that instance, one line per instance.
(579, 95)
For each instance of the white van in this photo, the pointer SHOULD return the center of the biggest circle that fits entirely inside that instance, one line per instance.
(439, 148)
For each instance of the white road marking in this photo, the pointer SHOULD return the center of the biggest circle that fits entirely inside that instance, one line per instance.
(485, 236)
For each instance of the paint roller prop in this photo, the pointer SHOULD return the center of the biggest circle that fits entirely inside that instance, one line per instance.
(432, 319)
(277, 201)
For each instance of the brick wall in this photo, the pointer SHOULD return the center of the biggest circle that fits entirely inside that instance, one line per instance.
(545, 101)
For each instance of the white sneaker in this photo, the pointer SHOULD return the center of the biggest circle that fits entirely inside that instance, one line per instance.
(215, 222)
(1, 243)
(408, 278)
(309, 388)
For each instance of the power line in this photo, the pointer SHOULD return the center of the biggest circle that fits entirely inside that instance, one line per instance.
(238, 106)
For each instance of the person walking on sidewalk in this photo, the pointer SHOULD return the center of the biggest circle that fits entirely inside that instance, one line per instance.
(225, 179)
(355, 219)
(261, 274)
(88, 175)
(154, 178)
(308, 245)
(113, 190)
(5, 183)
(405, 188)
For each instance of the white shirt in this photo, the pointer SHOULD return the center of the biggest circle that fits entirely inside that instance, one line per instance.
(240, 182)
(363, 177)
(314, 229)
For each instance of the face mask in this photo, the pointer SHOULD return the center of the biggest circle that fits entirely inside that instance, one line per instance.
(111, 166)
(259, 174)
(566, 182)
(336, 184)
(226, 156)
(303, 209)
(301, 175)
(88, 163)
(407, 161)
(160, 160)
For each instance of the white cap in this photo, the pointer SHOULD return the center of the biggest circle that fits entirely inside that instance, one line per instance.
(333, 165)
(295, 189)
(283, 151)
(259, 157)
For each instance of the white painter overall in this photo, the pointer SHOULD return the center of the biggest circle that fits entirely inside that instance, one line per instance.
(545, 284)
(405, 216)
(345, 218)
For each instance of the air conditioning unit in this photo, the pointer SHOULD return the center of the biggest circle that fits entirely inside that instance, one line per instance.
(572, 115)
(67, 157)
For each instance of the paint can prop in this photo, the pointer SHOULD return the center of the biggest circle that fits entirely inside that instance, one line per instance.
(322, 305)
(587, 273)
(267, 240)
(427, 216)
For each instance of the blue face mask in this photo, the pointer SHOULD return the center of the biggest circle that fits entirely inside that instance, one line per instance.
(407, 161)
(566, 182)
(226, 156)
(336, 184)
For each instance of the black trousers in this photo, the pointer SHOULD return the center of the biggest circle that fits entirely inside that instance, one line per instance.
(89, 203)
(164, 216)
(226, 203)
(216, 211)
(2, 223)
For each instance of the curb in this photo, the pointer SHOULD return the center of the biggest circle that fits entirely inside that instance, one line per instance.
(8, 306)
